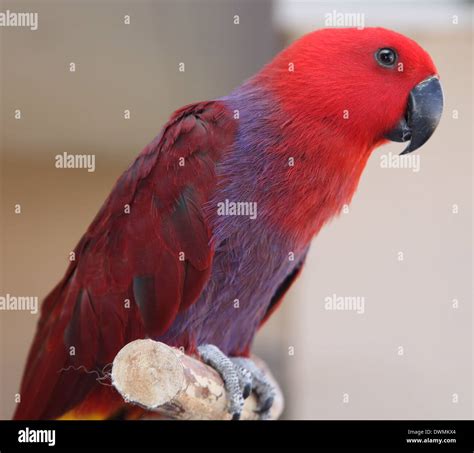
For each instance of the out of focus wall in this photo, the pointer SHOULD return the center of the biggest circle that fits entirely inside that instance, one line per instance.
(331, 364)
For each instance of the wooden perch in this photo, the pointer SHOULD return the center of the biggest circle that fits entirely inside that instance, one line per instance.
(165, 380)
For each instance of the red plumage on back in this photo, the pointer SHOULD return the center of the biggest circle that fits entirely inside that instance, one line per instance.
(145, 257)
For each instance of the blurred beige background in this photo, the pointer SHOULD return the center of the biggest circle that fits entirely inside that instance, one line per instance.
(345, 365)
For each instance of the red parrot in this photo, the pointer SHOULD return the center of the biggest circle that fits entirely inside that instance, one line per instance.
(207, 229)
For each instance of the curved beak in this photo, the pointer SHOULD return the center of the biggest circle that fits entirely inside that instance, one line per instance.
(425, 105)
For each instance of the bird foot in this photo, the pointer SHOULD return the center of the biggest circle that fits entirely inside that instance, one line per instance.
(241, 376)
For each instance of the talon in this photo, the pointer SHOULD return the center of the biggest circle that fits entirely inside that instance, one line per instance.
(214, 357)
(260, 385)
(266, 405)
(247, 391)
(241, 376)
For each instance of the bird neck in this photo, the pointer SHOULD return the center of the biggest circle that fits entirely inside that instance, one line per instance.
(302, 172)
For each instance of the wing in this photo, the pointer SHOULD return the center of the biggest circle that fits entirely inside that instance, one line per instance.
(145, 257)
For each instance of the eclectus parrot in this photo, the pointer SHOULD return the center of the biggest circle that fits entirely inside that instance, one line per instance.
(161, 260)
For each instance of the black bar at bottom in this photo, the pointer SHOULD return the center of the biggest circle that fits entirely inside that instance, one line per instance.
(165, 435)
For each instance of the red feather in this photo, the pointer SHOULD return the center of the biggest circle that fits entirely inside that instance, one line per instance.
(158, 256)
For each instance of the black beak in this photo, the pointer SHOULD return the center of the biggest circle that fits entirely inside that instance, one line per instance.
(425, 105)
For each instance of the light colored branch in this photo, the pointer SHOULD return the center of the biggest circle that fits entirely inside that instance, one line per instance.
(165, 380)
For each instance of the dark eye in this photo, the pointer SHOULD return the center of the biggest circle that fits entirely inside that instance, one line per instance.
(386, 57)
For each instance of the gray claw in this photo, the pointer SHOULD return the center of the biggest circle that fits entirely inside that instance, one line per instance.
(266, 405)
(213, 356)
(247, 391)
(240, 376)
(260, 385)
(245, 378)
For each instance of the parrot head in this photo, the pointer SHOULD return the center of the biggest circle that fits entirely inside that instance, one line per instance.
(365, 86)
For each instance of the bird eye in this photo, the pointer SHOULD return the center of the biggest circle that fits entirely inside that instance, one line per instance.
(386, 57)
